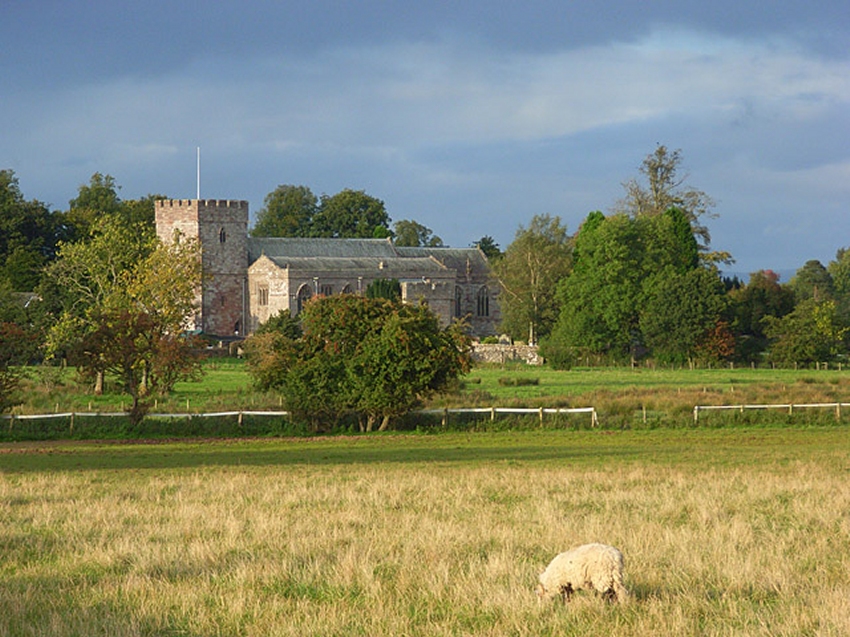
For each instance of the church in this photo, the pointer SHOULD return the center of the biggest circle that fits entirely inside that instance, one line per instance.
(247, 280)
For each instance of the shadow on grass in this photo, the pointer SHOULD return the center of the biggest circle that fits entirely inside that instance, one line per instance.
(81, 456)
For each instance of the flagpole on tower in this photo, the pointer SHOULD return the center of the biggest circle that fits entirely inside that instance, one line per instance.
(199, 174)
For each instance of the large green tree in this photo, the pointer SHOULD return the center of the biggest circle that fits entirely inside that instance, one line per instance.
(373, 359)
(287, 211)
(528, 272)
(126, 300)
(351, 214)
(599, 300)
(681, 312)
(29, 233)
(627, 273)
(813, 332)
(99, 198)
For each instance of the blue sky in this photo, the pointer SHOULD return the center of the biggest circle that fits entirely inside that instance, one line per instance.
(469, 117)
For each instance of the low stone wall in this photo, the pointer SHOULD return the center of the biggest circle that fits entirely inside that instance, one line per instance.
(527, 354)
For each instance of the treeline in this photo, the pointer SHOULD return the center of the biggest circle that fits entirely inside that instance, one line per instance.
(641, 283)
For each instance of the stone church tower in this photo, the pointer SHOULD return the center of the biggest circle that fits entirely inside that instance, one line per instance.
(221, 226)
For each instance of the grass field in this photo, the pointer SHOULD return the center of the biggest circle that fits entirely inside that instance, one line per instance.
(725, 531)
(617, 393)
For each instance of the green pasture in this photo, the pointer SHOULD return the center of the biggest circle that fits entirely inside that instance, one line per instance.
(544, 382)
(736, 531)
(639, 397)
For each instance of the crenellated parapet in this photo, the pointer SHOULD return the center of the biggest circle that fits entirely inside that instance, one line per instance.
(202, 203)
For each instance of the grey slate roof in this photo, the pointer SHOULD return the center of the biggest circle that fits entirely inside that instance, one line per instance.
(455, 258)
(391, 265)
(297, 247)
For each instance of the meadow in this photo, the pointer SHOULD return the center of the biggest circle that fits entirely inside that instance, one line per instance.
(624, 397)
(733, 531)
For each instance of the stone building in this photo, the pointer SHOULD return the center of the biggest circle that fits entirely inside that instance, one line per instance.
(247, 280)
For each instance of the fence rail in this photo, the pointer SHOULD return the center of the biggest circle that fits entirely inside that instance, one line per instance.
(444, 412)
(789, 407)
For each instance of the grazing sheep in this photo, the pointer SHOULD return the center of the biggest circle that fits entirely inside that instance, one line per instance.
(596, 567)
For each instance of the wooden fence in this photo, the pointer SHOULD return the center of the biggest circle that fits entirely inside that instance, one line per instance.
(787, 407)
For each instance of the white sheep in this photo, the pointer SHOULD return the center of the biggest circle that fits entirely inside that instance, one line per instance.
(596, 567)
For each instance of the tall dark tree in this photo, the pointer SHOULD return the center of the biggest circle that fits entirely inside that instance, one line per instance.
(763, 296)
(29, 234)
(812, 281)
(489, 247)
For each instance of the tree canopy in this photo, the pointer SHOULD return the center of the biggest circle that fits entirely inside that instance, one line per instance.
(539, 256)
(124, 306)
(370, 359)
(287, 211)
(411, 233)
(665, 188)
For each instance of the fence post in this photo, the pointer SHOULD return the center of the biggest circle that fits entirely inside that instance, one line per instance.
(541, 416)
(445, 416)
(492, 414)
(696, 414)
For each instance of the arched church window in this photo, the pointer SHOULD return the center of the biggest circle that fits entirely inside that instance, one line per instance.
(483, 302)
(222, 236)
(458, 301)
(304, 294)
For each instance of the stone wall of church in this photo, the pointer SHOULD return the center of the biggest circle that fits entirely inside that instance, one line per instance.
(221, 226)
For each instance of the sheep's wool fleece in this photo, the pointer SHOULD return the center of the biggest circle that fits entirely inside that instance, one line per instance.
(596, 567)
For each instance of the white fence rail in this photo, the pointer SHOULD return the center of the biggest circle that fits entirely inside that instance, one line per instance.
(789, 407)
(541, 412)
(492, 411)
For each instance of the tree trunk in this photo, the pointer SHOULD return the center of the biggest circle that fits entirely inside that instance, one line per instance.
(385, 423)
(98, 384)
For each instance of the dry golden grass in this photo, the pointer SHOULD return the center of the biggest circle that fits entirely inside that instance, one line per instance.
(747, 543)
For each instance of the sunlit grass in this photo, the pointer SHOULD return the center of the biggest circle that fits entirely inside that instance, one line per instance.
(743, 532)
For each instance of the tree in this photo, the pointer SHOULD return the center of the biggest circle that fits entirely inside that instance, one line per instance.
(600, 298)
(749, 305)
(373, 358)
(666, 189)
(409, 233)
(125, 306)
(618, 263)
(389, 289)
(538, 257)
(812, 332)
(28, 235)
(682, 312)
(812, 281)
(839, 270)
(15, 347)
(98, 199)
(351, 214)
(489, 247)
(287, 211)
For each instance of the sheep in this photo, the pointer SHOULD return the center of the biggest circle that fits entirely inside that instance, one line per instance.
(596, 567)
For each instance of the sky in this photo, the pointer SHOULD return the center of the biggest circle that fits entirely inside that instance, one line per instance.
(468, 117)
